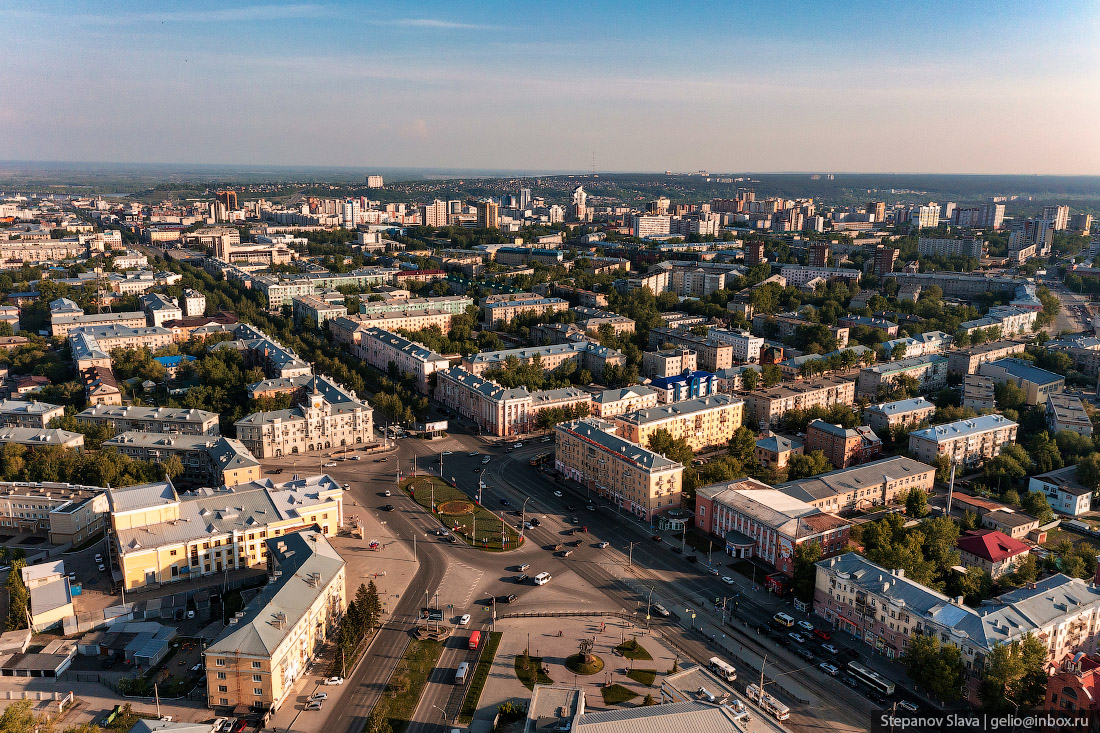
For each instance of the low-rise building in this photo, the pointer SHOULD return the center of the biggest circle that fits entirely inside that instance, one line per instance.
(799, 275)
(160, 308)
(381, 348)
(768, 405)
(755, 520)
(1010, 320)
(671, 363)
(34, 437)
(100, 386)
(930, 371)
(255, 661)
(63, 322)
(632, 477)
(611, 402)
(889, 415)
(348, 330)
(880, 324)
(686, 386)
(24, 414)
(1036, 383)
(969, 442)
(774, 451)
(872, 484)
(979, 393)
(968, 360)
(702, 422)
(207, 459)
(316, 309)
(62, 513)
(1065, 412)
(843, 447)
(193, 303)
(453, 304)
(1064, 492)
(163, 537)
(106, 339)
(1074, 689)
(785, 327)
(500, 309)
(992, 551)
(181, 421)
(932, 342)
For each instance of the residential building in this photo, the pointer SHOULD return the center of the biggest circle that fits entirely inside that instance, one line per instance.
(732, 380)
(945, 247)
(1074, 688)
(259, 350)
(703, 422)
(930, 371)
(1010, 320)
(62, 513)
(255, 661)
(710, 356)
(755, 520)
(872, 484)
(754, 253)
(818, 254)
(799, 275)
(381, 348)
(160, 308)
(958, 284)
(1065, 412)
(746, 347)
(968, 442)
(686, 386)
(785, 328)
(591, 320)
(454, 304)
(585, 354)
(1036, 383)
(501, 309)
(137, 418)
(843, 447)
(979, 392)
(611, 402)
(24, 414)
(885, 258)
(650, 226)
(280, 290)
(889, 415)
(207, 459)
(326, 416)
(885, 609)
(994, 552)
(933, 342)
(1064, 492)
(626, 474)
(792, 369)
(775, 451)
(61, 322)
(34, 437)
(193, 303)
(768, 405)
(348, 330)
(968, 360)
(100, 386)
(879, 324)
(106, 339)
(669, 363)
(315, 309)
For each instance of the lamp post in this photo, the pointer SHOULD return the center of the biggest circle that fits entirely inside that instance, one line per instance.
(630, 554)
(523, 517)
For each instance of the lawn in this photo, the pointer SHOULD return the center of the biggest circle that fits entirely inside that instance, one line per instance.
(577, 665)
(407, 683)
(533, 673)
(481, 674)
(616, 694)
(1058, 534)
(643, 676)
(461, 515)
(633, 650)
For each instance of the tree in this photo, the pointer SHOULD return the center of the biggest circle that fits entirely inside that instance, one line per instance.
(938, 668)
(771, 374)
(370, 606)
(742, 445)
(749, 379)
(1014, 676)
(806, 554)
(1088, 471)
(807, 465)
(19, 598)
(661, 441)
(1008, 396)
(1035, 503)
(379, 720)
(19, 718)
(916, 503)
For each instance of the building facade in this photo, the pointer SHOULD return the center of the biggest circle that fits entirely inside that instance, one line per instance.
(968, 442)
(702, 422)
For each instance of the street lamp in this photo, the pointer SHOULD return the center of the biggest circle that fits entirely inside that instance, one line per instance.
(523, 517)
(442, 714)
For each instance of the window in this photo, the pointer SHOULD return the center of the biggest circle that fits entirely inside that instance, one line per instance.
(223, 688)
(219, 662)
(257, 678)
(224, 701)
(172, 553)
(255, 665)
(258, 690)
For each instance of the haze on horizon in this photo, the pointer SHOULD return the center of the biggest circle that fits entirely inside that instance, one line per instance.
(927, 87)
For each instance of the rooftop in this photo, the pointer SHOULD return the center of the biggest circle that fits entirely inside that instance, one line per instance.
(615, 395)
(901, 365)
(1065, 479)
(991, 545)
(599, 433)
(402, 344)
(901, 407)
(963, 428)
(1025, 370)
(137, 412)
(678, 409)
(855, 478)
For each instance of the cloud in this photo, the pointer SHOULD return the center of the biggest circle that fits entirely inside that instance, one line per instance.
(438, 23)
(415, 129)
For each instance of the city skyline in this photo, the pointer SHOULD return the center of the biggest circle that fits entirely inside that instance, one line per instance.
(933, 88)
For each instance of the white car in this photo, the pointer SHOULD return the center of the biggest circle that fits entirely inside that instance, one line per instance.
(356, 458)
(830, 648)
(464, 620)
(829, 669)
(334, 681)
(906, 705)
(558, 494)
(517, 446)
(727, 580)
(98, 557)
(602, 545)
(485, 459)
(445, 453)
(313, 705)
(797, 637)
(472, 453)
(319, 696)
(806, 625)
(387, 493)
(330, 464)
(345, 487)
(102, 567)
(218, 724)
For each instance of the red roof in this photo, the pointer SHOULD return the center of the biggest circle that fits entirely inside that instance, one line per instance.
(991, 545)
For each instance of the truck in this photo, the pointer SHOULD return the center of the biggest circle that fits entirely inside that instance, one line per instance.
(475, 639)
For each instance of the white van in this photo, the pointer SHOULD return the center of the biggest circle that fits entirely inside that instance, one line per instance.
(460, 673)
(542, 578)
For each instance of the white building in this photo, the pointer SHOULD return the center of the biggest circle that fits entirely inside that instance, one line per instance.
(746, 347)
(968, 442)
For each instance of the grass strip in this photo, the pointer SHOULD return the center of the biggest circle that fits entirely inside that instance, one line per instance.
(481, 675)
(407, 683)
(643, 676)
(616, 694)
(532, 674)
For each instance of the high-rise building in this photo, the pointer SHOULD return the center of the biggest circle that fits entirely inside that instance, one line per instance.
(1058, 215)
(926, 216)
(227, 199)
(488, 214)
(1032, 232)
(819, 254)
(434, 214)
(754, 253)
(877, 209)
(556, 214)
(374, 181)
(578, 210)
(525, 198)
(1081, 223)
(885, 257)
(991, 215)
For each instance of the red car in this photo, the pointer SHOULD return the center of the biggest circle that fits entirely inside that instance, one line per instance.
(822, 634)
(240, 726)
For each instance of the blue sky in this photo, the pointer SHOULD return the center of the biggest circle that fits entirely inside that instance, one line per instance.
(772, 86)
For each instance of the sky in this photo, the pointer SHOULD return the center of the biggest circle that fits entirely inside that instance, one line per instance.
(825, 86)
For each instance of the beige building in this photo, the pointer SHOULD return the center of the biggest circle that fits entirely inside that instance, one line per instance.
(702, 422)
(381, 348)
(967, 361)
(60, 512)
(968, 442)
(328, 416)
(638, 480)
(207, 459)
(24, 414)
(348, 330)
(710, 356)
(585, 354)
(612, 402)
(770, 404)
(888, 415)
(979, 392)
(138, 418)
(109, 338)
(500, 309)
(1037, 384)
(34, 437)
(930, 371)
(256, 660)
(62, 324)
(671, 363)
(872, 484)
(161, 537)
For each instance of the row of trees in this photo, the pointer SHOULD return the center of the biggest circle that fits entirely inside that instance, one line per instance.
(90, 468)
(359, 621)
(19, 599)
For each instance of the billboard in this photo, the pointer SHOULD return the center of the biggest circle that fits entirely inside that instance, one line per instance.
(432, 427)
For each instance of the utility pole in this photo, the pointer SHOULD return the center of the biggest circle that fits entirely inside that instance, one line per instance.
(648, 607)
(683, 539)
(951, 488)
(523, 517)
(630, 555)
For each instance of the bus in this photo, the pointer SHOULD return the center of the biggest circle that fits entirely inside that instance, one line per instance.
(475, 639)
(540, 459)
(871, 678)
(782, 619)
(722, 669)
(767, 702)
(542, 578)
(460, 673)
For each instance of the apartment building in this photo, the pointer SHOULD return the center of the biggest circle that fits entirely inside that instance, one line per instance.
(207, 459)
(1065, 412)
(979, 393)
(34, 437)
(281, 290)
(753, 520)
(100, 386)
(843, 447)
(775, 451)
(686, 386)
(591, 320)
(24, 414)
(885, 609)
(1065, 494)
(193, 303)
(260, 350)
(159, 308)
(1011, 320)
(930, 371)
(315, 309)
(872, 484)
(669, 363)
(494, 409)
(62, 513)
(958, 284)
(770, 404)
(64, 323)
(626, 474)
(994, 552)
(453, 304)
(746, 347)
(968, 442)
(968, 360)
(799, 275)
(925, 344)
(255, 661)
(947, 247)
(611, 402)
(702, 422)
(348, 330)
(137, 418)
(109, 338)
(326, 416)
(1037, 384)
(710, 356)
(888, 415)
(785, 327)
(87, 353)
(500, 309)
(585, 354)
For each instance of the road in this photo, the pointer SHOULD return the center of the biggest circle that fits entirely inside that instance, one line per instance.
(1072, 317)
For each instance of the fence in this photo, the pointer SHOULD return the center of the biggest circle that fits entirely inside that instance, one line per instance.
(566, 614)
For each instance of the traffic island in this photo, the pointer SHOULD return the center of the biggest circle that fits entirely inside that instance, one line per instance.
(530, 671)
(476, 525)
(633, 650)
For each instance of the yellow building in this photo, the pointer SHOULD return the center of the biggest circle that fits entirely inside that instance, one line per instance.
(267, 646)
(207, 459)
(161, 537)
(702, 422)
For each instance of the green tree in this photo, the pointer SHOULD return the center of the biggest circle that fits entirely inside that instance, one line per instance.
(1035, 503)
(807, 465)
(742, 445)
(1008, 396)
(1014, 676)
(661, 441)
(749, 379)
(806, 554)
(771, 375)
(939, 669)
(19, 599)
(366, 597)
(19, 717)
(916, 503)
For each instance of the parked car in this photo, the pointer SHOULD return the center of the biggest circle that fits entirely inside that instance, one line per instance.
(521, 578)
(485, 459)
(334, 681)
(240, 726)
(693, 558)
(875, 696)
(558, 494)
(829, 669)
(102, 567)
(806, 625)
(311, 705)
(850, 681)
(523, 567)
(510, 598)
(800, 638)
(677, 550)
(656, 538)
(319, 696)
(190, 614)
(472, 453)
(535, 521)
(804, 653)
(355, 458)
(830, 648)
(98, 557)
(387, 507)
(227, 726)
(602, 545)
(727, 580)
(822, 634)
(386, 492)
(517, 446)
(908, 706)
(330, 464)
(217, 725)
(566, 553)
(445, 453)
(574, 520)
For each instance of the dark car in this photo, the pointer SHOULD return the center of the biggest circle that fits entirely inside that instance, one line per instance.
(876, 697)
(693, 558)
(277, 470)
(510, 598)
(570, 508)
(240, 726)
(505, 502)
(677, 550)
(387, 508)
(535, 521)
(850, 681)
(521, 578)
(656, 538)
(805, 654)
(108, 662)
